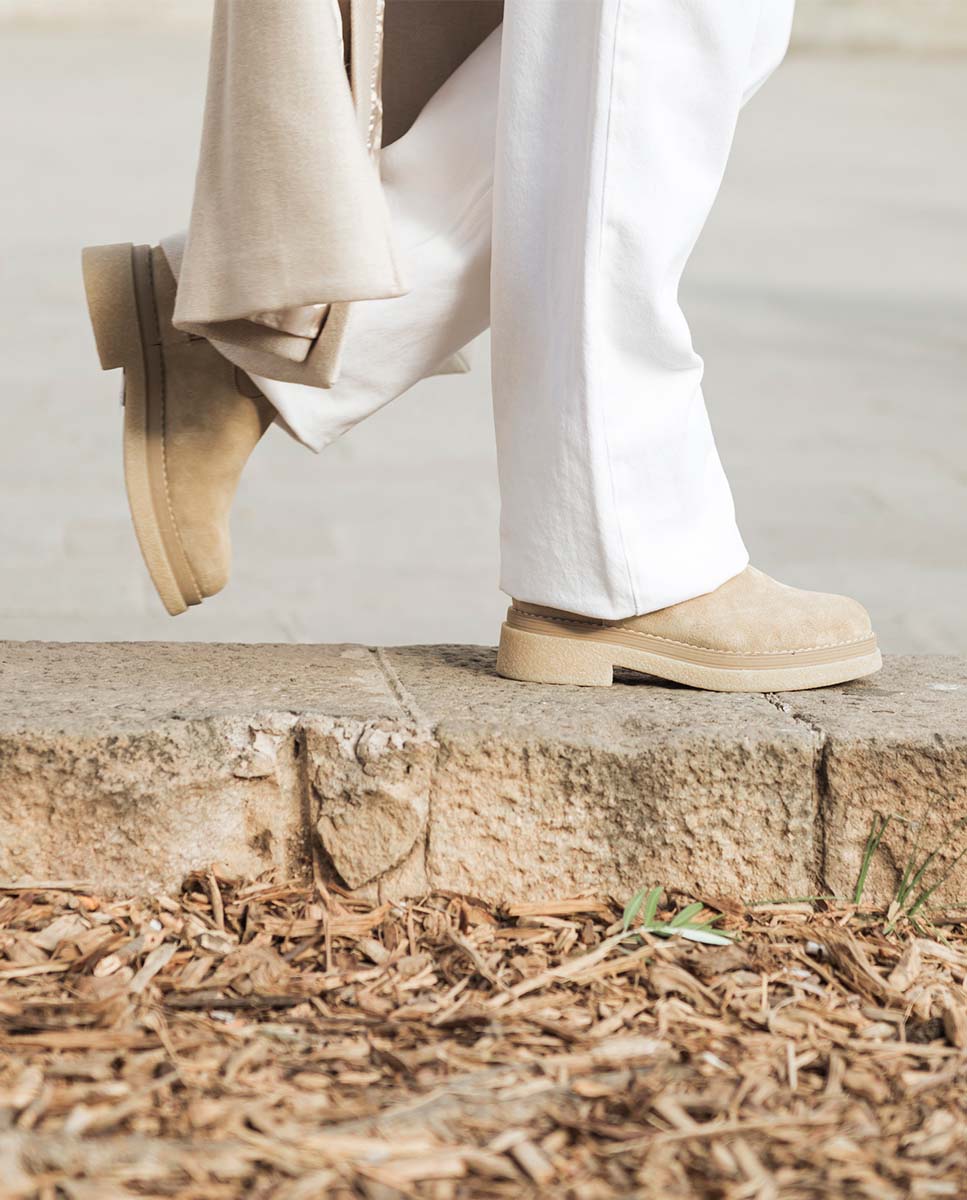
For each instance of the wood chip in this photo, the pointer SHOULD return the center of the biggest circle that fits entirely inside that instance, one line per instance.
(262, 1039)
(955, 1024)
(533, 1161)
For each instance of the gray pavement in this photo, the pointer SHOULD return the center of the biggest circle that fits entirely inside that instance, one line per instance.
(828, 297)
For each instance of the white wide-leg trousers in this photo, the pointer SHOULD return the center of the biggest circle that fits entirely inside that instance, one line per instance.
(554, 189)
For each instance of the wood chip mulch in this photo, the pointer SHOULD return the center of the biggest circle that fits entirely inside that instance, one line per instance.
(256, 1040)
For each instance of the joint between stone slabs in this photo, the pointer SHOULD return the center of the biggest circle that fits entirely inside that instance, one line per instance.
(303, 779)
(424, 725)
(401, 694)
(820, 788)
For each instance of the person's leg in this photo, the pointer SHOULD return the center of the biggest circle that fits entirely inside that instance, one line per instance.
(438, 180)
(618, 535)
(192, 419)
(615, 124)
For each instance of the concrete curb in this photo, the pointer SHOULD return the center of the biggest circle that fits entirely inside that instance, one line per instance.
(130, 765)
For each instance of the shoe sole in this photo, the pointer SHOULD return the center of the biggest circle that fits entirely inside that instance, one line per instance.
(119, 286)
(535, 651)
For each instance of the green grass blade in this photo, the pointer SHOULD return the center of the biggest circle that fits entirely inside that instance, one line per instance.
(921, 871)
(925, 895)
(918, 878)
(651, 906)
(685, 916)
(905, 886)
(632, 909)
(877, 830)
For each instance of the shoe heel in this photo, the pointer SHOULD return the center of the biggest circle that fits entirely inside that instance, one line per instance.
(543, 658)
(111, 303)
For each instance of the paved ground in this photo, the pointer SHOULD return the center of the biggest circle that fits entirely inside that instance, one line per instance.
(828, 297)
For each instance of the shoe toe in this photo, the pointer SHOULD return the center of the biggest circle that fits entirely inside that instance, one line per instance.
(841, 619)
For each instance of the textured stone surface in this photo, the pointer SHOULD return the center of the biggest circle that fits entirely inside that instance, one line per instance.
(416, 768)
(561, 790)
(371, 785)
(132, 765)
(895, 744)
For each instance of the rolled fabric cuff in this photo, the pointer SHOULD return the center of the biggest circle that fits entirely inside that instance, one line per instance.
(288, 210)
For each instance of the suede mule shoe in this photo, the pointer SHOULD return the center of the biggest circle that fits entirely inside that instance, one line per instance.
(750, 635)
(191, 420)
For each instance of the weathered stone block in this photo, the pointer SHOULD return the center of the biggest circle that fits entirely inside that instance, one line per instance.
(892, 744)
(133, 765)
(547, 790)
(142, 809)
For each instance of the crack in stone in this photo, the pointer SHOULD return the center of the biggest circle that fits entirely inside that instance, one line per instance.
(299, 759)
(820, 785)
(422, 722)
(275, 749)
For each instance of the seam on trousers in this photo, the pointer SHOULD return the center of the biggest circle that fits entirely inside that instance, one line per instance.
(603, 418)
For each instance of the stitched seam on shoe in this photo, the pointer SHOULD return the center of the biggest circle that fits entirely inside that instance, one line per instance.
(164, 425)
(689, 645)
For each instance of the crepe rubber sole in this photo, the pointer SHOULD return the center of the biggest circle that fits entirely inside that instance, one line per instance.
(535, 650)
(120, 292)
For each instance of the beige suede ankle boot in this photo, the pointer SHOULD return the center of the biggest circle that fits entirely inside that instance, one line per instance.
(750, 635)
(191, 420)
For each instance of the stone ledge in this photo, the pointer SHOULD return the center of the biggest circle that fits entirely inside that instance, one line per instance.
(130, 765)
